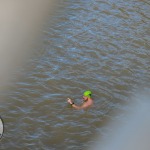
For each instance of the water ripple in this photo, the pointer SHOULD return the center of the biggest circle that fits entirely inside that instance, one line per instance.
(98, 45)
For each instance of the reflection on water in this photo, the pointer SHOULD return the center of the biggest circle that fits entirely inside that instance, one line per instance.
(97, 45)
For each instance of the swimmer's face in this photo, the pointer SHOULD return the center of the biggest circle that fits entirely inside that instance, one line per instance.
(85, 98)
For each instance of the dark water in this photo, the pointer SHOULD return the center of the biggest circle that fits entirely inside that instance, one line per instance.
(103, 46)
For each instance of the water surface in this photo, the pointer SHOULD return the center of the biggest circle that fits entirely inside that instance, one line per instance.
(103, 46)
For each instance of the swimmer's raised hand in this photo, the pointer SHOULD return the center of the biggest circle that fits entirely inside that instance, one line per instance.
(69, 101)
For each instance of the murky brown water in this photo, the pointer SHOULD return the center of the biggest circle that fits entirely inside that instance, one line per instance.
(103, 46)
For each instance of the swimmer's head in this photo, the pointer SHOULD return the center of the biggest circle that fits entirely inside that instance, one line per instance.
(87, 94)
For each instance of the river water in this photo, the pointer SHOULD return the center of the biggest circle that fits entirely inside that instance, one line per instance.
(96, 45)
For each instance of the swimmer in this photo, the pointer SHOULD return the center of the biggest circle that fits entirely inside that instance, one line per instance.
(87, 101)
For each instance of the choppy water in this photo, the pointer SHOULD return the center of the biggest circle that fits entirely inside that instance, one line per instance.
(103, 46)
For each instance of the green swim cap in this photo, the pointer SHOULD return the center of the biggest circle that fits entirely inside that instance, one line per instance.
(87, 94)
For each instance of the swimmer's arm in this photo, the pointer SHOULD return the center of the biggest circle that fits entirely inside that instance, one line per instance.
(78, 107)
(75, 106)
